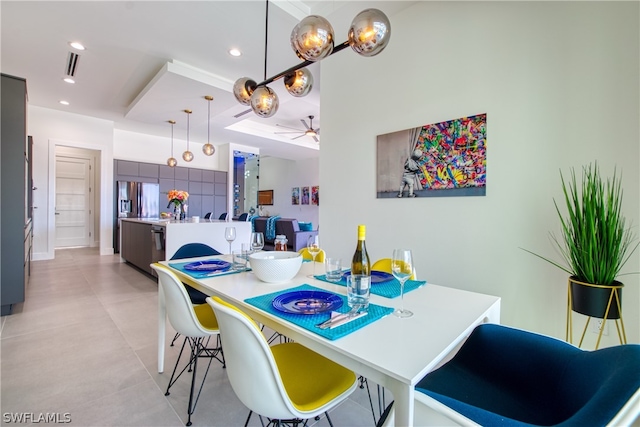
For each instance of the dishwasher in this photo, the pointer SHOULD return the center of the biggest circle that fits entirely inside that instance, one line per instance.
(157, 244)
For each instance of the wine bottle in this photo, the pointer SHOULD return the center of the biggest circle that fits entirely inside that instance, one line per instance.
(360, 263)
(358, 287)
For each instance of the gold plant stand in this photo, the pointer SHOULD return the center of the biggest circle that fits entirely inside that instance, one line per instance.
(614, 298)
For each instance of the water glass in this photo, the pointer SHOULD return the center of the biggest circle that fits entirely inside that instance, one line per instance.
(257, 241)
(239, 262)
(358, 290)
(333, 269)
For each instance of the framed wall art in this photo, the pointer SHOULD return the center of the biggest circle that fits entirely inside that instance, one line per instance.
(315, 195)
(295, 195)
(265, 197)
(304, 199)
(437, 160)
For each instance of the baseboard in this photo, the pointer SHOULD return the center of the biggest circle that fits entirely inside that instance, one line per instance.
(41, 256)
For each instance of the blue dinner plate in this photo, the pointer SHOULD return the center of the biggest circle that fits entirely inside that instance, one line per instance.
(209, 265)
(306, 302)
(376, 276)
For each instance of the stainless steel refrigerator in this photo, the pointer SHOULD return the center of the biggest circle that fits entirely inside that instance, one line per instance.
(135, 200)
(138, 200)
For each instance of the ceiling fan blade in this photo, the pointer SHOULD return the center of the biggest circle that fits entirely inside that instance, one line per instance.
(305, 124)
(282, 133)
(283, 126)
(317, 131)
(315, 138)
(298, 137)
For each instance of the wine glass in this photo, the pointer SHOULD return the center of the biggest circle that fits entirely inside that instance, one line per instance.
(313, 246)
(230, 235)
(257, 241)
(402, 269)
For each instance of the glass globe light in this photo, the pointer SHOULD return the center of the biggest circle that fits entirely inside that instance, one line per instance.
(172, 162)
(264, 102)
(299, 83)
(208, 149)
(312, 38)
(242, 90)
(369, 32)
(187, 156)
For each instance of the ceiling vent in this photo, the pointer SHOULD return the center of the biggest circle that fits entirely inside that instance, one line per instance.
(242, 113)
(72, 64)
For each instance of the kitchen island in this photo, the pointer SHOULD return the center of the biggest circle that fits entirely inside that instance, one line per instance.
(146, 240)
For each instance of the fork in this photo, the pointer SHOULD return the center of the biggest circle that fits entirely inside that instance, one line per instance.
(354, 311)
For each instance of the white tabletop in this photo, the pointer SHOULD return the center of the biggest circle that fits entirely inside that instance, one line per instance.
(393, 352)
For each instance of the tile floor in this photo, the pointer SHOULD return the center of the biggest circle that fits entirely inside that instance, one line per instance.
(84, 344)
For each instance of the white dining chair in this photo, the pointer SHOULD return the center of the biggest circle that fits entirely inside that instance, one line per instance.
(282, 382)
(197, 323)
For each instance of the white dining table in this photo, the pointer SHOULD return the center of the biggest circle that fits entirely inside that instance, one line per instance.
(393, 352)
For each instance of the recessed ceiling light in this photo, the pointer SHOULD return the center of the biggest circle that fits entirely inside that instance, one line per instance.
(235, 52)
(76, 45)
(63, 102)
(69, 80)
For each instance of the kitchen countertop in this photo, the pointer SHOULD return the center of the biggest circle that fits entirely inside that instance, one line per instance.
(160, 221)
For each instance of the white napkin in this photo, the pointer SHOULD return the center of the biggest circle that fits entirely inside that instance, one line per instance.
(344, 319)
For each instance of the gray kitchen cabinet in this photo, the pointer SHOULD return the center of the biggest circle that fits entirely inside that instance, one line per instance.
(125, 167)
(148, 170)
(136, 244)
(16, 222)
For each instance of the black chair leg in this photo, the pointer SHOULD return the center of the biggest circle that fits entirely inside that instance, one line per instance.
(194, 356)
(328, 418)
(175, 337)
(175, 368)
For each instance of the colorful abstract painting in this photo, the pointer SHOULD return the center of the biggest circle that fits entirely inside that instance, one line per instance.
(295, 195)
(305, 196)
(315, 195)
(441, 159)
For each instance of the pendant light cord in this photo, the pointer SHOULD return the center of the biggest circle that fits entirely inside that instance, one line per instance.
(208, 121)
(266, 37)
(188, 131)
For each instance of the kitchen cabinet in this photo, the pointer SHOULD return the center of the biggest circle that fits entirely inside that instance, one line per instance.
(15, 169)
(135, 245)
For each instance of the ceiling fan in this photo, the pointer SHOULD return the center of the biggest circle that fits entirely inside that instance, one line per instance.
(309, 131)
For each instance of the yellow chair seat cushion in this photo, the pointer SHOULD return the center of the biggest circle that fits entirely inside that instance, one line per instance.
(206, 316)
(311, 380)
(384, 264)
(306, 255)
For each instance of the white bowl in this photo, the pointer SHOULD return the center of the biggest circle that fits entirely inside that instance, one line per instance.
(275, 266)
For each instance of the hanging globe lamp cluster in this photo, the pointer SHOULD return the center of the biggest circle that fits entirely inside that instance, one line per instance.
(208, 149)
(312, 39)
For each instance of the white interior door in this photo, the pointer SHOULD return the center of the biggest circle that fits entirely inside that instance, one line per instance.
(72, 202)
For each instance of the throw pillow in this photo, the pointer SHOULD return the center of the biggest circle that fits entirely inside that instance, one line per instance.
(305, 226)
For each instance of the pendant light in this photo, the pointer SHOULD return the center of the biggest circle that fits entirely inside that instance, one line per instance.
(312, 40)
(264, 101)
(187, 156)
(171, 161)
(208, 149)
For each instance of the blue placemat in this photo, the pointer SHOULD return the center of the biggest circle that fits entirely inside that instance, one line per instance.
(202, 274)
(309, 321)
(390, 289)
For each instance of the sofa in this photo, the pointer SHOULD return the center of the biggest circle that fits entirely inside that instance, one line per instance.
(296, 239)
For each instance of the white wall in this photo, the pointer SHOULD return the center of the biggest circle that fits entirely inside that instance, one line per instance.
(281, 175)
(559, 84)
(141, 147)
(50, 128)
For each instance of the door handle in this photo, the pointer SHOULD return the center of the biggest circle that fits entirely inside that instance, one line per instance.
(57, 213)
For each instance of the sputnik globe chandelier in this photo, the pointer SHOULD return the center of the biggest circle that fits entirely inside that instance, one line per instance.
(312, 40)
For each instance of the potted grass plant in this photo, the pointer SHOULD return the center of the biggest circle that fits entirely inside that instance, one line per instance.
(596, 242)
